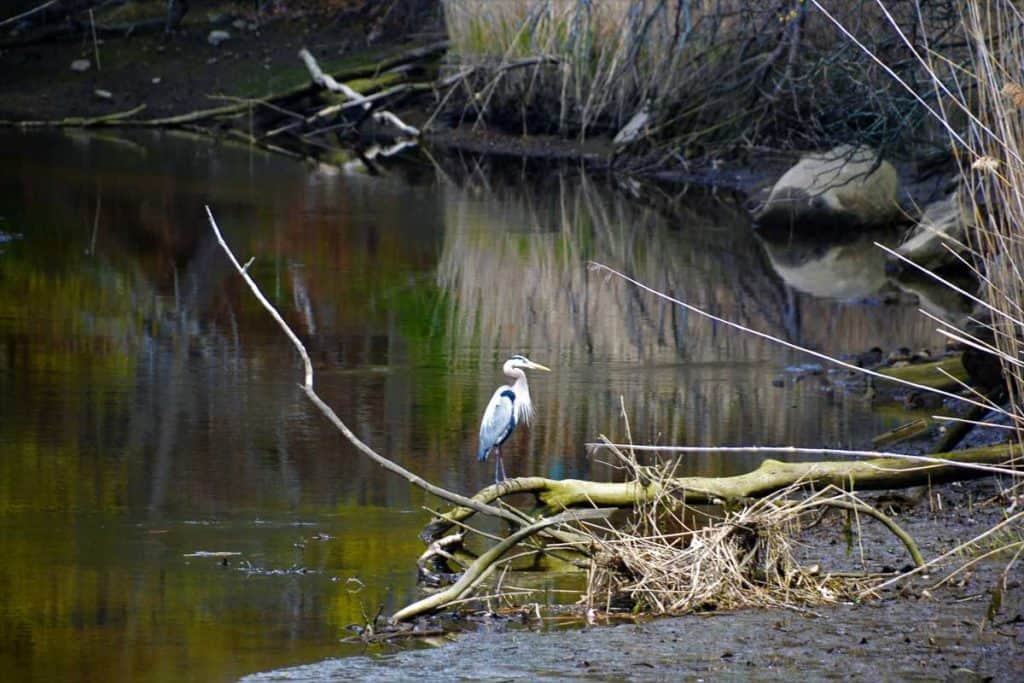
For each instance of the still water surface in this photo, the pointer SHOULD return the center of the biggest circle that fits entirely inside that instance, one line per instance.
(149, 408)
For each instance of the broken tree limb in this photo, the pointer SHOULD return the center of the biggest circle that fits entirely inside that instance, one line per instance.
(326, 80)
(392, 95)
(371, 95)
(482, 567)
(770, 476)
(930, 375)
(355, 98)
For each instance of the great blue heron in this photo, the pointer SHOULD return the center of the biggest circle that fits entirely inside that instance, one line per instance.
(509, 406)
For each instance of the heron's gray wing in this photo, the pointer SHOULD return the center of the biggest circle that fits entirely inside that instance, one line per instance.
(498, 421)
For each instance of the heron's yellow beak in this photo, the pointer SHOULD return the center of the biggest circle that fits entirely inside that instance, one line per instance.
(538, 366)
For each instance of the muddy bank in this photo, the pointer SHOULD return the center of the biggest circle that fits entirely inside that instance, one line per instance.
(969, 629)
(184, 70)
(893, 640)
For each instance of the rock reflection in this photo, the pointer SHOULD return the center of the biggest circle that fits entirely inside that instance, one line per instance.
(850, 267)
(844, 269)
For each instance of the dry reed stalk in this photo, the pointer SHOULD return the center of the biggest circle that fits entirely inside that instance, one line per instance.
(978, 96)
(710, 73)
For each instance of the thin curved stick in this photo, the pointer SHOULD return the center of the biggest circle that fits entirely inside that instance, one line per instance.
(327, 412)
(778, 340)
(907, 540)
(482, 566)
(959, 549)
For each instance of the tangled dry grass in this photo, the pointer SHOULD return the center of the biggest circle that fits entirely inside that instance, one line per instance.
(671, 558)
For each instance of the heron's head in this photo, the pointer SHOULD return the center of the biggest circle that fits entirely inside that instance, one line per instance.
(524, 363)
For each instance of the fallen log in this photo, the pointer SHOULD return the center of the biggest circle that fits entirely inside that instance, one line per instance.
(770, 476)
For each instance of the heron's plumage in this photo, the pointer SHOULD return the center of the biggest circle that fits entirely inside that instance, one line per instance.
(498, 422)
(509, 405)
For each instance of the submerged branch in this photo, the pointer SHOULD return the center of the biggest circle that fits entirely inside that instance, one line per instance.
(482, 567)
(782, 342)
(115, 118)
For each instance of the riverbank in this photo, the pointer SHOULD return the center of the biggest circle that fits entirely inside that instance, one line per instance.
(166, 76)
(221, 50)
(971, 629)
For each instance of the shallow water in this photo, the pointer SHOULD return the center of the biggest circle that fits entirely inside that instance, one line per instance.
(149, 408)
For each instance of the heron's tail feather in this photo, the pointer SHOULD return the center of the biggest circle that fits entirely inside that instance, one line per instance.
(483, 452)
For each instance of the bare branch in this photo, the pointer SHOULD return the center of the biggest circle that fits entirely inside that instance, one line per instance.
(327, 412)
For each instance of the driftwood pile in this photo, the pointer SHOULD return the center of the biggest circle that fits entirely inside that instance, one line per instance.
(328, 114)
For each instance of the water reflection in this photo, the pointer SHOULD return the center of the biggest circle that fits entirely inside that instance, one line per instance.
(149, 407)
(513, 268)
(851, 267)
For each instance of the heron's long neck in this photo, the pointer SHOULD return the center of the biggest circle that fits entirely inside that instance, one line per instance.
(523, 405)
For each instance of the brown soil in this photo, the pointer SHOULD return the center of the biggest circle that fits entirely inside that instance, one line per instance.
(181, 72)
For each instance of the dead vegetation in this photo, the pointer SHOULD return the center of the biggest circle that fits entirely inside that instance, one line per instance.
(691, 77)
(672, 557)
(661, 564)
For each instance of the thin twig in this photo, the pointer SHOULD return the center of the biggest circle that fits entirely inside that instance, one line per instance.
(778, 340)
(27, 14)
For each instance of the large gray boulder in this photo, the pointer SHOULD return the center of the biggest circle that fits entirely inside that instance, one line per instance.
(943, 223)
(844, 187)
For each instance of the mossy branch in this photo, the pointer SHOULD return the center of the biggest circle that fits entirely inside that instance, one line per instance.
(770, 476)
(931, 374)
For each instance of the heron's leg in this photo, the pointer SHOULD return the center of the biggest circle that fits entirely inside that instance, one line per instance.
(499, 467)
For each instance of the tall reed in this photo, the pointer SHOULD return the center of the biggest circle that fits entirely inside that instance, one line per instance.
(995, 177)
(709, 74)
(977, 95)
